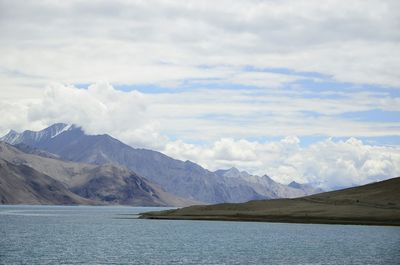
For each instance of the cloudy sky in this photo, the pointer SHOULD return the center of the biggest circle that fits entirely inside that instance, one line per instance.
(293, 89)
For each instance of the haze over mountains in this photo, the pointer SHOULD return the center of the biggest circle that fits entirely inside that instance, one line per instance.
(125, 167)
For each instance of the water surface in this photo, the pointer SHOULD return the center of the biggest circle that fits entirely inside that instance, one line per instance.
(98, 235)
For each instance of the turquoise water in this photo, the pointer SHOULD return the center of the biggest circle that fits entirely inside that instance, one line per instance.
(98, 235)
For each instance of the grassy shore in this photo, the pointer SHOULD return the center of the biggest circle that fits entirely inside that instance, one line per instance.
(373, 204)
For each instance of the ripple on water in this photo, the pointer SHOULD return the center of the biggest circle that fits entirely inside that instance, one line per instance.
(98, 235)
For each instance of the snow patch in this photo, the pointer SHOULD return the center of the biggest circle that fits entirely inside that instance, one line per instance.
(66, 128)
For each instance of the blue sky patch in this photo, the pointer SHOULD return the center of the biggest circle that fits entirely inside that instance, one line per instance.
(285, 71)
(375, 115)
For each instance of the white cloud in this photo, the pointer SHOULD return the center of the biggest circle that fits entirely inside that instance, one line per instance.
(211, 114)
(327, 163)
(99, 109)
(200, 115)
(165, 41)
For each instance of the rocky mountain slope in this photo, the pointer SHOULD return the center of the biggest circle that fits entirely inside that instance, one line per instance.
(109, 184)
(21, 184)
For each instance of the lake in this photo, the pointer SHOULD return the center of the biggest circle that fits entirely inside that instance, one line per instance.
(104, 235)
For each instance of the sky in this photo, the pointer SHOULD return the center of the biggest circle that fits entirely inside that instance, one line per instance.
(293, 89)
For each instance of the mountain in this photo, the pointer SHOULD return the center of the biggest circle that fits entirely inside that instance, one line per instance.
(21, 184)
(266, 186)
(373, 204)
(34, 138)
(117, 185)
(88, 183)
(181, 178)
(306, 188)
(34, 151)
(232, 173)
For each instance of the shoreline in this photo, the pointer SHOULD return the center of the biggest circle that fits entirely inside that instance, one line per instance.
(372, 204)
(275, 219)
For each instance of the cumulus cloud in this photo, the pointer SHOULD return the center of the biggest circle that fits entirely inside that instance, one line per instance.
(98, 109)
(328, 164)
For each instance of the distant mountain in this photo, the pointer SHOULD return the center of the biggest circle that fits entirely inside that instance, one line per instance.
(182, 178)
(308, 189)
(25, 177)
(266, 186)
(232, 173)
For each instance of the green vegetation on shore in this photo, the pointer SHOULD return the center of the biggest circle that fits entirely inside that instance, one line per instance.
(373, 204)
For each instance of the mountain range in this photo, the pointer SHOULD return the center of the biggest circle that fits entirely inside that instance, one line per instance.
(185, 181)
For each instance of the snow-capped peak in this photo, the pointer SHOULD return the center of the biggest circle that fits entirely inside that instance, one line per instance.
(31, 137)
